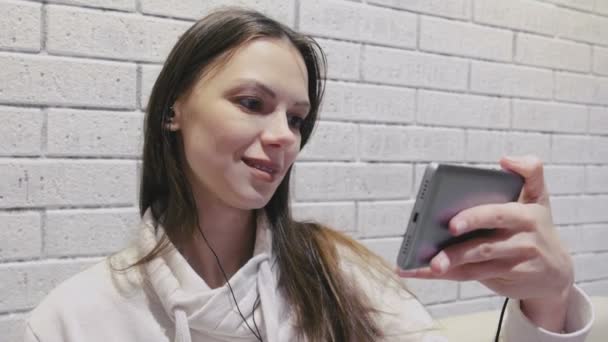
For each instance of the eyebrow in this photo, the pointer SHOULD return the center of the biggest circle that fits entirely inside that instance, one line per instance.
(267, 90)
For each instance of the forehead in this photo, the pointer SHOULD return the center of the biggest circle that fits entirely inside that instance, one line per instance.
(276, 63)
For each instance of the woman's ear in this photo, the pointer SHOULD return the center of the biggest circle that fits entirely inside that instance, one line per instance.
(174, 118)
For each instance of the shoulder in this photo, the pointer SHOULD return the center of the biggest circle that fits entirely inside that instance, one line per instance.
(85, 296)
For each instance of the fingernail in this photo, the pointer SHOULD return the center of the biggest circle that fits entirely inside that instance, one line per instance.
(460, 226)
(443, 262)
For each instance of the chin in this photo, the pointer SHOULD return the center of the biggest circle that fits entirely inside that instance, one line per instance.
(254, 199)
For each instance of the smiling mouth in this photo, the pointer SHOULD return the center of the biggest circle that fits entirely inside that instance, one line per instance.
(264, 171)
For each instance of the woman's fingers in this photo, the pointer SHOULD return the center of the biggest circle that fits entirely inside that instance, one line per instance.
(531, 168)
(484, 249)
(512, 215)
(477, 271)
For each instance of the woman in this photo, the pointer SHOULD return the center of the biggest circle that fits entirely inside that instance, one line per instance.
(219, 257)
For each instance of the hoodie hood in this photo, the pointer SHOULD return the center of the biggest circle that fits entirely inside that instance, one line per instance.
(196, 308)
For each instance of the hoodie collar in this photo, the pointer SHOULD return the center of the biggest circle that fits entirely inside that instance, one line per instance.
(193, 306)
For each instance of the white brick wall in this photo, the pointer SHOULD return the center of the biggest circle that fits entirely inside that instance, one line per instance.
(520, 15)
(509, 80)
(465, 39)
(86, 32)
(458, 110)
(20, 30)
(547, 52)
(461, 81)
(21, 133)
(399, 67)
(600, 60)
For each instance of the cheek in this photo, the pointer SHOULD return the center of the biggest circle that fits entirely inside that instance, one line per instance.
(292, 155)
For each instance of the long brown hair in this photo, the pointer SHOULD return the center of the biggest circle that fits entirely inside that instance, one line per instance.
(327, 306)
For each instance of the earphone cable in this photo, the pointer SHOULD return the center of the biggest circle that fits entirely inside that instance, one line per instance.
(502, 313)
(257, 335)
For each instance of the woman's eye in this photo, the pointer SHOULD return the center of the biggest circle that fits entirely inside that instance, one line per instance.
(296, 122)
(251, 103)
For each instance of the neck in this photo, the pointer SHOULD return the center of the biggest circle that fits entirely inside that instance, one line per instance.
(230, 232)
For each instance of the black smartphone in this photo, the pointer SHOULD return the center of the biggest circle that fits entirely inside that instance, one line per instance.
(444, 191)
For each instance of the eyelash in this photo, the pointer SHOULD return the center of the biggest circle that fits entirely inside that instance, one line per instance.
(252, 108)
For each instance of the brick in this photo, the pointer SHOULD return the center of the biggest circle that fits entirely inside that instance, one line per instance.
(84, 32)
(20, 235)
(21, 29)
(281, 10)
(459, 9)
(123, 5)
(386, 248)
(465, 39)
(361, 102)
(600, 60)
(24, 285)
(46, 80)
(188, 9)
(581, 88)
(570, 149)
(332, 141)
(12, 326)
(593, 237)
(599, 150)
(389, 143)
(343, 59)
(460, 110)
(413, 68)
(591, 266)
(473, 289)
(549, 116)
(336, 215)
(463, 307)
(586, 5)
(564, 179)
(579, 209)
(359, 22)
(601, 6)
(583, 27)
(598, 120)
(383, 218)
(546, 52)
(530, 16)
(149, 74)
(350, 181)
(32, 183)
(509, 80)
(21, 131)
(433, 291)
(597, 179)
(595, 287)
(81, 232)
(94, 133)
(487, 146)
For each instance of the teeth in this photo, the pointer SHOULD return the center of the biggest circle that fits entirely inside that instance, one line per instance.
(263, 168)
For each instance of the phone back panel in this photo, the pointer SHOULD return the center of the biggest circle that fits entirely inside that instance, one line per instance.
(444, 191)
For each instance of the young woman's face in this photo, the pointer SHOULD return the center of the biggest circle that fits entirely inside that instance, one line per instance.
(240, 124)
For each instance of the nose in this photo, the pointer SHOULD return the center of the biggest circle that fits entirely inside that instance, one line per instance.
(277, 131)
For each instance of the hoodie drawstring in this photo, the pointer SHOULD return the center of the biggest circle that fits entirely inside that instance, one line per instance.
(182, 329)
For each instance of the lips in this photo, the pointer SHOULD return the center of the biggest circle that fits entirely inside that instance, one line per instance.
(262, 165)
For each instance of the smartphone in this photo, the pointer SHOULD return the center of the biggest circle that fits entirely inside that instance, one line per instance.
(444, 191)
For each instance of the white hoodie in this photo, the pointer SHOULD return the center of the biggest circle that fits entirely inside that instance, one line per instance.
(166, 300)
